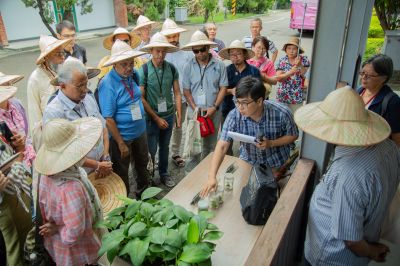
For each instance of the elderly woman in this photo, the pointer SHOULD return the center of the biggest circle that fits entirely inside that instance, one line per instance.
(290, 74)
(211, 30)
(377, 95)
(68, 203)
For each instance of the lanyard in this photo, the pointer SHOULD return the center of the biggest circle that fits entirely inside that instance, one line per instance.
(129, 88)
(370, 100)
(158, 78)
(202, 74)
(79, 114)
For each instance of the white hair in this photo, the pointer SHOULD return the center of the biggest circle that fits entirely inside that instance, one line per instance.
(69, 66)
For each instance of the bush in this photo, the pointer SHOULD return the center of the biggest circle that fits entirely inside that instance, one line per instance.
(250, 6)
(374, 46)
(152, 9)
(152, 13)
(375, 29)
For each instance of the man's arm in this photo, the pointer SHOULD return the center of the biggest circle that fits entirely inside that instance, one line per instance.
(112, 127)
(161, 123)
(178, 102)
(189, 98)
(374, 251)
(220, 97)
(106, 142)
(284, 140)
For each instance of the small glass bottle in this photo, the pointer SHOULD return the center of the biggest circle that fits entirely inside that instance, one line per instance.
(214, 200)
(202, 205)
(228, 182)
(220, 193)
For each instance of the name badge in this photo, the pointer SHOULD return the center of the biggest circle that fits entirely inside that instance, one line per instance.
(201, 98)
(162, 105)
(136, 112)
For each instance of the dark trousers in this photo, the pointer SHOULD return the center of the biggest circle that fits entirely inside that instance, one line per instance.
(138, 156)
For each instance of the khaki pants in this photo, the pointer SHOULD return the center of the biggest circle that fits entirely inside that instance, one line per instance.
(177, 137)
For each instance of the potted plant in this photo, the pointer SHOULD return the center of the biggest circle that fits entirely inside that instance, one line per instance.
(157, 232)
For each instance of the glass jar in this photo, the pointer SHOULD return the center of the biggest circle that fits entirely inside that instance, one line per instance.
(228, 181)
(220, 194)
(202, 205)
(214, 200)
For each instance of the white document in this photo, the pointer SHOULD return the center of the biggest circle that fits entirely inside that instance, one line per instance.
(242, 137)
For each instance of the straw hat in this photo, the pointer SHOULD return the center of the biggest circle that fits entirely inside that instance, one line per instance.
(159, 41)
(107, 188)
(9, 79)
(48, 44)
(144, 21)
(65, 143)
(169, 27)
(293, 41)
(109, 40)
(198, 39)
(236, 44)
(343, 120)
(6, 92)
(121, 51)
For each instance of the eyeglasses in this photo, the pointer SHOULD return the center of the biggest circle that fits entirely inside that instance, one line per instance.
(127, 41)
(235, 55)
(367, 76)
(242, 104)
(202, 50)
(69, 35)
(60, 54)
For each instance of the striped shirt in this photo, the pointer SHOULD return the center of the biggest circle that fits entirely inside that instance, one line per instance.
(248, 41)
(276, 121)
(351, 202)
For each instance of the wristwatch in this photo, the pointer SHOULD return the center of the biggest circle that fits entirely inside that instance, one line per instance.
(216, 107)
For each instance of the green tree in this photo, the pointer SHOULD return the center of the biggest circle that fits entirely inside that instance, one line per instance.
(388, 12)
(209, 8)
(46, 13)
(151, 8)
(250, 6)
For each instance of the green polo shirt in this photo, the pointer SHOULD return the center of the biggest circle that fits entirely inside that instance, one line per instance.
(164, 75)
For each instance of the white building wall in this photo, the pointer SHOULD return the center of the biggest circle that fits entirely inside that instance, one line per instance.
(102, 16)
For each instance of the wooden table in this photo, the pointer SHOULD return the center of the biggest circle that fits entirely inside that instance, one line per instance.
(239, 237)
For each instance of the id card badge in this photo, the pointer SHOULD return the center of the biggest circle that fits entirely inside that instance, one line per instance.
(201, 98)
(162, 105)
(136, 112)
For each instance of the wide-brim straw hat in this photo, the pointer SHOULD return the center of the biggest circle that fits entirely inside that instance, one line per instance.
(198, 39)
(108, 188)
(144, 21)
(64, 143)
(169, 27)
(236, 44)
(121, 51)
(159, 41)
(6, 92)
(293, 41)
(109, 40)
(9, 79)
(343, 120)
(91, 73)
(48, 44)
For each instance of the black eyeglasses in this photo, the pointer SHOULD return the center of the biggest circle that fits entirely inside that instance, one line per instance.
(202, 50)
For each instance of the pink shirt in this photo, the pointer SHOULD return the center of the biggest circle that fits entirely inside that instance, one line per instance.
(267, 66)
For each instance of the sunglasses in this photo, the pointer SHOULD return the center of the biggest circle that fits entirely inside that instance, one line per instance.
(202, 50)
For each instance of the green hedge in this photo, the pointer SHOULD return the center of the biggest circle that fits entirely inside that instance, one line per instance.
(374, 46)
(375, 29)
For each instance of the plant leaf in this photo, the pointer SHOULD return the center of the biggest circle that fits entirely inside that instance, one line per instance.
(210, 245)
(132, 209)
(128, 225)
(137, 229)
(182, 213)
(183, 229)
(150, 192)
(195, 253)
(213, 235)
(201, 222)
(171, 249)
(111, 241)
(115, 221)
(169, 256)
(146, 209)
(156, 248)
(211, 226)
(207, 214)
(125, 199)
(137, 251)
(171, 223)
(159, 235)
(165, 202)
(173, 238)
(182, 263)
(111, 254)
(116, 211)
(193, 233)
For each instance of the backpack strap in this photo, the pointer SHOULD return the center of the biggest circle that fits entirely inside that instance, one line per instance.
(385, 102)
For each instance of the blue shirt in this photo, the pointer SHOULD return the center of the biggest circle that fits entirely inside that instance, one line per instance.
(351, 202)
(234, 77)
(276, 121)
(115, 102)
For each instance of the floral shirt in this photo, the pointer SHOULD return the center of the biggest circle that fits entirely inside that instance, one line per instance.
(265, 65)
(290, 90)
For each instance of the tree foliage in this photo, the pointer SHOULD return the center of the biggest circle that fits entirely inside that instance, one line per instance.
(388, 12)
(150, 8)
(209, 7)
(250, 6)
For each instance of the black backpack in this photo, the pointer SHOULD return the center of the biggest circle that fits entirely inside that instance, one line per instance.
(259, 196)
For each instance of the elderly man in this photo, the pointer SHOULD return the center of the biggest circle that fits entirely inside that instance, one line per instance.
(270, 122)
(255, 30)
(204, 84)
(348, 206)
(73, 102)
(157, 77)
(179, 59)
(121, 105)
(39, 88)
(65, 31)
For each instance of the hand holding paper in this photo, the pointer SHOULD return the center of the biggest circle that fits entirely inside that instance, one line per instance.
(242, 137)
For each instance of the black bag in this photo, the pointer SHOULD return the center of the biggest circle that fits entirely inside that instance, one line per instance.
(259, 196)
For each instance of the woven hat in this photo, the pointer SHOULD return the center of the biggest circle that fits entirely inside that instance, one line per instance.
(121, 51)
(198, 39)
(169, 27)
(6, 92)
(9, 79)
(159, 41)
(48, 44)
(144, 21)
(107, 188)
(236, 44)
(64, 143)
(293, 41)
(109, 40)
(343, 120)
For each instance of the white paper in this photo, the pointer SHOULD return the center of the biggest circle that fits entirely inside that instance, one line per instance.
(242, 137)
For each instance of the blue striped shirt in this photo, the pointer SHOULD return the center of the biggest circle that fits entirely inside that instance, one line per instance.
(351, 202)
(276, 121)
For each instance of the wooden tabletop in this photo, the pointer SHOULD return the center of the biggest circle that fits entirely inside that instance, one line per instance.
(239, 237)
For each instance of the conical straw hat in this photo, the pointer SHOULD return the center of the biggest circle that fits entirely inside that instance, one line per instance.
(121, 51)
(9, 79)
(6, 92)
(159, 41)
(169, 27)
(293, 41)
(343, 120)
(109, 40)
(144, 21)
(236, 44)
(65, 143)
(198, 39)
(108, 188)
(48, 44)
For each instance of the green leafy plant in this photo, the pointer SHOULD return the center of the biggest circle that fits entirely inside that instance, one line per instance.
(155, 232)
